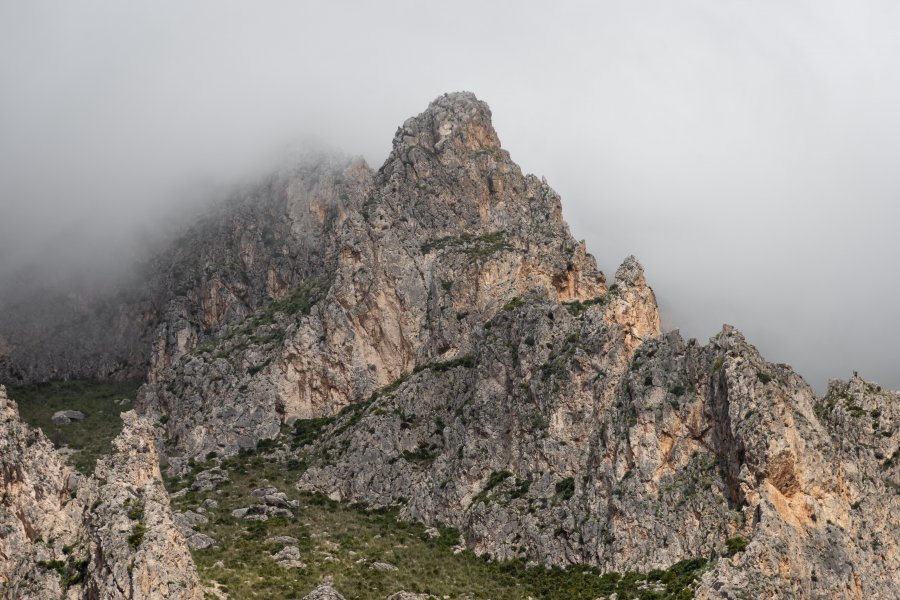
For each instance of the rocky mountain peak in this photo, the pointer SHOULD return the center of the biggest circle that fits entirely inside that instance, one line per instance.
(631, 272)
(457, 121)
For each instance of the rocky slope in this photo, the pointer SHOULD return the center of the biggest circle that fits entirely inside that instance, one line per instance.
(67, 536)
(249, 249)
(448, 232)
(49, 333)
(695, 451)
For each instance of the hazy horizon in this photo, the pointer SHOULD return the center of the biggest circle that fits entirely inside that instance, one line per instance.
(744, 152)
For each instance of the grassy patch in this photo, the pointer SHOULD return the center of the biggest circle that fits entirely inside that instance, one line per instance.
(577, 308)
(96, 399)
(735, 545)
(472, 246)
(342, 541)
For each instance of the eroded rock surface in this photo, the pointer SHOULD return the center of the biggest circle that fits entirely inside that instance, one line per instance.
(554, 445)
(111, 535)
(447, 232)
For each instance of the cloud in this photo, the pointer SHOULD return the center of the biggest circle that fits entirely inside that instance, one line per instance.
(746, 152)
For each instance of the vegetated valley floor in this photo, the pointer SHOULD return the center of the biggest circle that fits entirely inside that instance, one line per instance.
(335, 540)
(101, 402)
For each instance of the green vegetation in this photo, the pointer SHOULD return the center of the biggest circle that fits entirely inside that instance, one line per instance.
(764, 377)
(834, 397)
(577, 308)
(467, 361)
(299, 300)
(494, 479)
(735, 545)
(342, 541)
(91, 437)
(424, 454)
(472, 246)
(71, 571)
(565, 489)
(137, 534)
(718, 363)
(513, 304)
(305, 431)
(135, 511)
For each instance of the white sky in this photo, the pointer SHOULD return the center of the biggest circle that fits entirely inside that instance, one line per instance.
(746, 151)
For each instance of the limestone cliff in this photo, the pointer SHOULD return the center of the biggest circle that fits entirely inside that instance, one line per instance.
(244, 252)
(550, 444)
(493, 381)
(107, 536)
(449, 231)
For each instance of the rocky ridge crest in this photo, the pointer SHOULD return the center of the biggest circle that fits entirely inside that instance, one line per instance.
(449, 231)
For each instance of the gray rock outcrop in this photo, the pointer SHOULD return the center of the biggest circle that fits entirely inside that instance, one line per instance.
(324, 592)
(64, 417)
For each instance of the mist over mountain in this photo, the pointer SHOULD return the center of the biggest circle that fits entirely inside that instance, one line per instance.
(745, 151)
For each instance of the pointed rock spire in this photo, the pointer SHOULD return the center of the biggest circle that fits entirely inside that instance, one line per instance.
(455, 121)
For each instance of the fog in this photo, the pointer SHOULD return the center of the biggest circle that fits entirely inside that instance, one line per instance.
(746, 152)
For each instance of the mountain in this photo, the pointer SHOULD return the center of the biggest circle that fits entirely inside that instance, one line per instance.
(429, 338)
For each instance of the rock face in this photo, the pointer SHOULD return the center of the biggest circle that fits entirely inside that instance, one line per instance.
(826, 497)
(324, 592)
(107, 536)
(532, 405)
(79, 332)
(446, 232)
(259, 243)
(554, 445)
(38, 503)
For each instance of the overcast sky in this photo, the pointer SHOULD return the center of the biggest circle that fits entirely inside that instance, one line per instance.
(747, 152)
